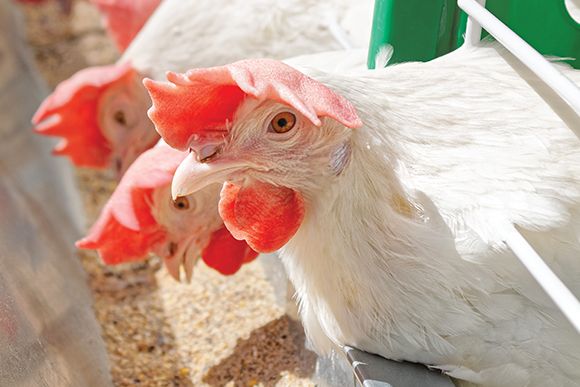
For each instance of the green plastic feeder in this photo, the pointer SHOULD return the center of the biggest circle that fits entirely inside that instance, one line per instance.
(421, 30)
(418, 30)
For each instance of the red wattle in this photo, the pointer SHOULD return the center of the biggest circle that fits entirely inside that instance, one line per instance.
(226, 254)
(264, 215)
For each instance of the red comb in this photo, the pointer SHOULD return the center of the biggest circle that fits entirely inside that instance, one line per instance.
(201, 101)
(71, 111)
(125, 18)
(126, 230)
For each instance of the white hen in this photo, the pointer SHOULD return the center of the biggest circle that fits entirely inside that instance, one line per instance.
(391, 229)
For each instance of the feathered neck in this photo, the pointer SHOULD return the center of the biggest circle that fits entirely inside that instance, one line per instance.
(366, 238)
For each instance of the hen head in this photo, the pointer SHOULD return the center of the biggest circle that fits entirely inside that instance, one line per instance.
(140, 217)
(272, 133)
(100, 112)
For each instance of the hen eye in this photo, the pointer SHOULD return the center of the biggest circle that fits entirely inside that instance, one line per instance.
(120, 117)
(181, 203)
(283, 122)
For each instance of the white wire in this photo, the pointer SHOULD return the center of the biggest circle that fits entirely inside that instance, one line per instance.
(473, 29)
(567, 90)
(556, 290)
(478, 17)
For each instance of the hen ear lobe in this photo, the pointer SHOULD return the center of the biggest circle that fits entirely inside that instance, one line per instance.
(340, 158)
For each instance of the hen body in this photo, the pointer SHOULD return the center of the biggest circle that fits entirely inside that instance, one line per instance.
(402, 253)
(390, 191)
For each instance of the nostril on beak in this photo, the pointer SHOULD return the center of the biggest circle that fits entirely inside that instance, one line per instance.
(207, 153)
(118, 166)
(172, 248)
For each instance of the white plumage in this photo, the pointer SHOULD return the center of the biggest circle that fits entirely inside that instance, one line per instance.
(400, 252)
(195, 33)
(449, 149)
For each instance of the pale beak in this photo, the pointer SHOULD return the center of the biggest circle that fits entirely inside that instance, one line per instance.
(173, 266)
(192, 176)
(183, 255)
(174, 259)
(132, 151)
(189, 261)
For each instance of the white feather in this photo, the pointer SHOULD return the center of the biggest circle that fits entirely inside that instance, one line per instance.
(183, 34)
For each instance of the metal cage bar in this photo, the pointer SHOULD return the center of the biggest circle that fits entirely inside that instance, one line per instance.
(473, 29)
(551, 284)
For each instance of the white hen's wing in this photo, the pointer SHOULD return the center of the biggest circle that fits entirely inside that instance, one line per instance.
(511, 159)
(184, 34)
(469, 142)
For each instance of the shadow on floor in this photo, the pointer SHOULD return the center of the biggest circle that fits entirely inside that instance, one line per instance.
(270, 350)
